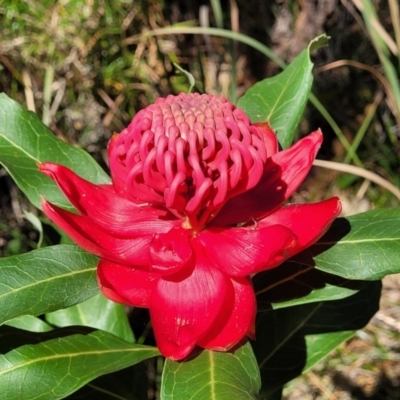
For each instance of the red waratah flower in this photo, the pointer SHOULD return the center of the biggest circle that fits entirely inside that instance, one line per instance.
(194, 209)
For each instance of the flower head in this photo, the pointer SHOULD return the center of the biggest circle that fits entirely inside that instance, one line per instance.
(190, 154)
(194, 209)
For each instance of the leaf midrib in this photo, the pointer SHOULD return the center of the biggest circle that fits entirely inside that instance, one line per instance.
(356, 241)
(19, 147)
(68, 355)
(271, 112)
(13, 291)
(212, 377)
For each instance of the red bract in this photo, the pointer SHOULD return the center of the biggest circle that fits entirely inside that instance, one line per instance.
(195, 208)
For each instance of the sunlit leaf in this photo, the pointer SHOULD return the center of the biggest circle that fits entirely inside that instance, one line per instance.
(329, 292)
(29, 323)
(281, 100)
(212, 375)
(25, 141)
(320, 345)
(57, 367)
(45, 280)
(97, 312)
(363, 246)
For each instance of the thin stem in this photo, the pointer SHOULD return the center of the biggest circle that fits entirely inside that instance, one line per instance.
(364, 126)
(395, 14)
(48, 81)
(351, 169)
(339, 133)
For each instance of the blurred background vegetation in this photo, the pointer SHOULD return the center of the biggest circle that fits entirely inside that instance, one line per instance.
(87, 66)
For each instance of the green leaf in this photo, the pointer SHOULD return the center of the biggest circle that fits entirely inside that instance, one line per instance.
(329, 292)
(318, 42)
(45, 280)
(294, 283)
(363, 246)
(37, 224)
(29, 323)
(212, 375)
(281, 345)
(281, 100)
(319, 346)
(189, 76)
(25, 141)
(55, 368)
(97, 312)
